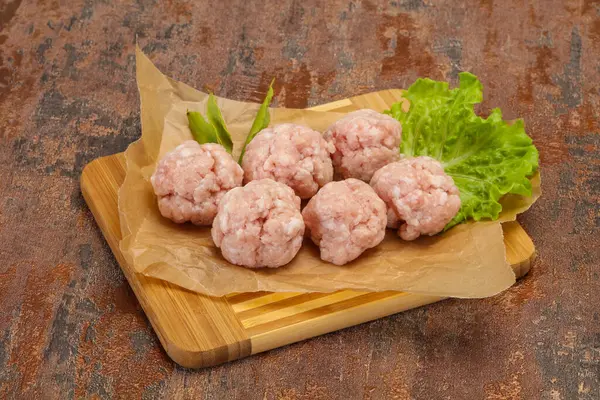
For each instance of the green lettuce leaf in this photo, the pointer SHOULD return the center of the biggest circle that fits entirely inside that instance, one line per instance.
(216, 119)
(261, 121)
(486, 157)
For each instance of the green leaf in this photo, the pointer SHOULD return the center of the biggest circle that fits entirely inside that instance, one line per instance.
(202, 131)
(261, 121)
(486, 157)
(216, 119)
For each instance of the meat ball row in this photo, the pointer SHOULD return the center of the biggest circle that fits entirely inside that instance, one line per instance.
(357, 145)
(190, 181)
(413, 195)
(260, 225)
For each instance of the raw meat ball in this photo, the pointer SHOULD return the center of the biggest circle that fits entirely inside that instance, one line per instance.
(191, 180)
(259, 225)
(291, 154)
(344, 219)
(364, 141)
(421, 198)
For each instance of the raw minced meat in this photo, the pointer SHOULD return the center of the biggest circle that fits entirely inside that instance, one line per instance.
(344, 219)
(292, 154)
(421, 198)
(259, 225)
(364, 141)
(191, 180)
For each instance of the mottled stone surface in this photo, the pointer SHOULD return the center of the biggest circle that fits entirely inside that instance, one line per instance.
(70, 326)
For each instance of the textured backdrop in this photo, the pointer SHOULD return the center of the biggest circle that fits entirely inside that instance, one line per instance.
(70, 326)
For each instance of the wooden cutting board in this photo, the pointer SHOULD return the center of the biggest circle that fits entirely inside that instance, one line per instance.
(199, 331)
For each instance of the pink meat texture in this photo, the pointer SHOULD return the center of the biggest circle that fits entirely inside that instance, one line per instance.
(291, 154)
(344, 219)
(364, 141)
(191, 180)
(259, 225)
(420, 197)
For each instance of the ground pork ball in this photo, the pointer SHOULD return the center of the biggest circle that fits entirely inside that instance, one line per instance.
(191, 180)
(259, 225)
(364, 141)
(420, 197)
(344, 219)
(291, 154)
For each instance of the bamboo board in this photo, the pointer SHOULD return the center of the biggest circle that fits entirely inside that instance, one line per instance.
(199, 331)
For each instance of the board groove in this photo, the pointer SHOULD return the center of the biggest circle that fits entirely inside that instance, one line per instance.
(200, 331)
(291, 307)
(346, 301)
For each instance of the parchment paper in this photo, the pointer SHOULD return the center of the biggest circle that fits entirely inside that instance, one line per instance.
(468, 261)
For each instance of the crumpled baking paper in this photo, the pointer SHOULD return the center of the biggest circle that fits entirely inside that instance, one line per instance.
(468, 261)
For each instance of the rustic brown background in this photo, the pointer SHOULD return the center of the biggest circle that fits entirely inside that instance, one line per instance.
(70, 326)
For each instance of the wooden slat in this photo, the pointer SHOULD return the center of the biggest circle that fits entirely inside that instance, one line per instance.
(236, 298)
(337, 106)
(265, 299)
(198, 330)
(293, 306)
(378, 101)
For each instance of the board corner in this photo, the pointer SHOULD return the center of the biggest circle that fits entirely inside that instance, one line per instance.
(206, 356)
